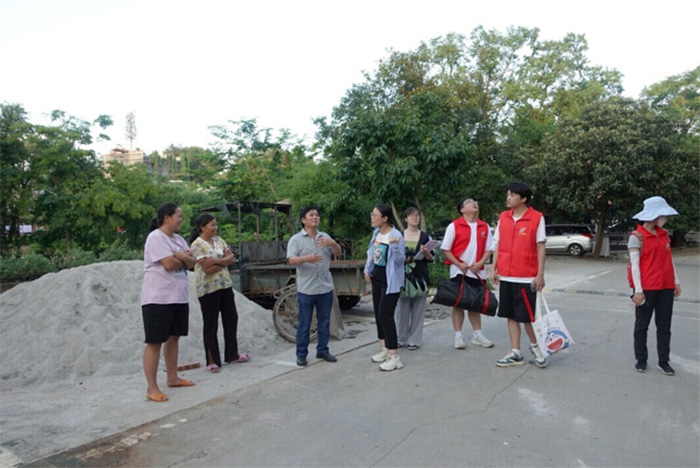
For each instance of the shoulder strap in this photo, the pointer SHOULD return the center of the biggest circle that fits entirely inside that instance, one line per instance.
(423, 239)
(641, 239)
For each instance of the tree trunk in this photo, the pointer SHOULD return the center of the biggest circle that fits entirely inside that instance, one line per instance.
(397, 218)
(420, 211)
(600, 232)
(68, 242)
(678, 238)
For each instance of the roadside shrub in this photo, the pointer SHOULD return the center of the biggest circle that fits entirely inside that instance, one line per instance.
(438, 269)
(120, 251)
(76, 258)
(25, 268)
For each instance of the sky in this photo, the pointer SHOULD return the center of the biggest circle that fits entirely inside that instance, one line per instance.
(182, 66)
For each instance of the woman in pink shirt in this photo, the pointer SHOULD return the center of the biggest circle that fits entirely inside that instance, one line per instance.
(164, 298)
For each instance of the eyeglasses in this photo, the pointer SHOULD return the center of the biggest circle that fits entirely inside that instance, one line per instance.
(413, 216)
(374, 215)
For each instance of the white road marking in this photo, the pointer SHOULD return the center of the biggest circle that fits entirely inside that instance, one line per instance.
(9, 459)
(578, 280)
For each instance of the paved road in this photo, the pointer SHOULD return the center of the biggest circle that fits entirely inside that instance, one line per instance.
(448, 407)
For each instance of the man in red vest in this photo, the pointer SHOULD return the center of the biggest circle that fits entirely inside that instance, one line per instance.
(468, 245)
(518, 267)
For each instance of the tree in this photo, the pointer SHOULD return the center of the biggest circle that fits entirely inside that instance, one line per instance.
(124, 201)
(45, 170)
(553, 80)
(605, 161)
(255, 161)
(17, 176)
(195, 164)
(430, 124)
(66, 171)
(677, 98)
(403, 135)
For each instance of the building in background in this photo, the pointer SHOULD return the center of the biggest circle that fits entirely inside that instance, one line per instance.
(124, 156)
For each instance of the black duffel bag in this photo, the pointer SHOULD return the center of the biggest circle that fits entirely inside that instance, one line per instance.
(456, 292)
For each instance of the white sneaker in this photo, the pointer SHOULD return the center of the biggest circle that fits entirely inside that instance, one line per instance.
(511, 359)
(393, 362)
(540, 360)
(381, 355)
(459, 343)
(482, 341)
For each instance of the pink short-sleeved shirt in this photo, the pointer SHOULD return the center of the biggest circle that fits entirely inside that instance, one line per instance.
(161, 286)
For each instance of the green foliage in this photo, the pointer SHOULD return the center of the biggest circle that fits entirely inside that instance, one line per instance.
(256, 164)
(428, 126)
(603, 163)
(120, 250)
(437, 269)
(17, 175)
(46, 173)
(24, 268)
(678, 97)
(191, 163)
(456, 116)
(76, 258)
(124, 201)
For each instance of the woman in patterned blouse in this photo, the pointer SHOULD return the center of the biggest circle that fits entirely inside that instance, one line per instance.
(215, 292)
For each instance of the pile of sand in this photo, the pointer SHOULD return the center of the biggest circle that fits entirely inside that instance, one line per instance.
(83, 323)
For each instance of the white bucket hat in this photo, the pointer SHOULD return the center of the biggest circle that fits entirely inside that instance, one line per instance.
(653, 208)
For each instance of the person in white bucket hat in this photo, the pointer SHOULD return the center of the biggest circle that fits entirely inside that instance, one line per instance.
(653, 275)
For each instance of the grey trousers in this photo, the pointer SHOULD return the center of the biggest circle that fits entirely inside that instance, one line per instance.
(410, 313)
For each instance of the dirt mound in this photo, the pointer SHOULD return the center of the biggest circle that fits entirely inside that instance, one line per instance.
(86, 321)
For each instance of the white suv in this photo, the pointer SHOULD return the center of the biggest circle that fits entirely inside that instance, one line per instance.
(576, 239)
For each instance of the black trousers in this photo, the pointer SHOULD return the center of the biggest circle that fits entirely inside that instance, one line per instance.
(660, 304)
(213, 303)
(384, 307)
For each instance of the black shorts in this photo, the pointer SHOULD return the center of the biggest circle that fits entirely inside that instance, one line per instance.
(161, 321)
(517, 301)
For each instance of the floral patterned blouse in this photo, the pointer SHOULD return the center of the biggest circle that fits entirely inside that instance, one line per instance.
(207, 284)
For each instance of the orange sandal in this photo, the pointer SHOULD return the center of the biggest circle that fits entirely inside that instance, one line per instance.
(158, 397)
(182, 383)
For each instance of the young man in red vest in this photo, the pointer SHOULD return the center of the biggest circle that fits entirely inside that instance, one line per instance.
(467, 245)
(518, 267)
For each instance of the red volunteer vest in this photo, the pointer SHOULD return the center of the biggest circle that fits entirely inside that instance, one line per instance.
(517, 244)
(655, 261)
(463, 235)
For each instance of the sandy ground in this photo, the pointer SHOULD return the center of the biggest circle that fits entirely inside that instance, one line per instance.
(71, 349)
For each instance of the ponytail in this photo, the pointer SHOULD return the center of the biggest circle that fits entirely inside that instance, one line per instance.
(166, 209)
(202, 220)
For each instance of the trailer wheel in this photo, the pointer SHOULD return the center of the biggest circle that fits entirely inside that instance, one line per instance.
(285, 316)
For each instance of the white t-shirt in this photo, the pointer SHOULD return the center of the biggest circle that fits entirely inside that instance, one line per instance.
(469, 255)
(541, 236)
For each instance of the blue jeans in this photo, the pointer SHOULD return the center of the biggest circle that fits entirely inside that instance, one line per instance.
(323, 304)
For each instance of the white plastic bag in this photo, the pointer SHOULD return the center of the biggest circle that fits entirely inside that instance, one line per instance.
(552, 334)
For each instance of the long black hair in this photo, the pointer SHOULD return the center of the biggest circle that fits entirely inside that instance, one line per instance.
(166, 209)
(385, 210)
(202, 220)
